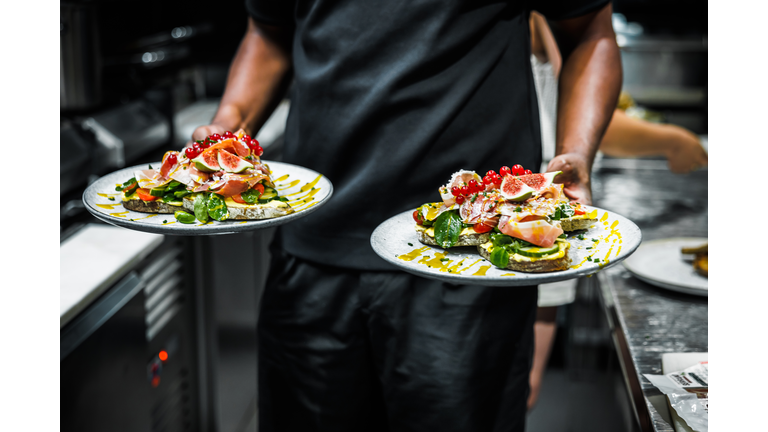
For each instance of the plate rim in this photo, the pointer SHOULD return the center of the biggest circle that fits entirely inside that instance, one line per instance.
(240, 225)
(687, 289)
(539, 278)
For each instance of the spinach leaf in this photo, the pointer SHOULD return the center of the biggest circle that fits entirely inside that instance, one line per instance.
(217, 209)
(447, 228)
(130, 181)
(500, 257)
(201, 207)
(250, 196)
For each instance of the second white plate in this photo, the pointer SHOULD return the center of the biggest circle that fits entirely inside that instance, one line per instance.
(660, 263)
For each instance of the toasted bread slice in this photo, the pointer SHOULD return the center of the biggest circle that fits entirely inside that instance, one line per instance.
(156, 206)
(269, 210)
(572, 224)
(468, 237)
(556, 262)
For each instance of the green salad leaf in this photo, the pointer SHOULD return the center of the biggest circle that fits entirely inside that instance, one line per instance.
(184, 217)
(500, 257)
(251, 196)
(447, 228)
(201, 207)
(217, 208)
(562, 211)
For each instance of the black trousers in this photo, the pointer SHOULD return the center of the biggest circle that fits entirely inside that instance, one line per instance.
(343, 350)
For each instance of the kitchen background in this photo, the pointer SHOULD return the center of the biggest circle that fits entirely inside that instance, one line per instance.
(161, 340)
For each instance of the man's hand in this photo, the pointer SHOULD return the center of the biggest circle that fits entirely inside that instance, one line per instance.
(575, 177)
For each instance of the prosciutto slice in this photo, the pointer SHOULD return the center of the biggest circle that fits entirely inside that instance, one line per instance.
(533, 209)
(539, 232)
(459, 178)
(150, 178)
(483, 208)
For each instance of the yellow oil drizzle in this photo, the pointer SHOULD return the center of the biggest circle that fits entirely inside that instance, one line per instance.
(168, 223)
(618, 251)
(289, 185)
(147, 217)
(481, 271)
(435, 262)
(243, 222)
(593, 214)
(605, 217)
(453, 268)
(310, 194)
(107, 195)
(469, 266)
(412, 255)
(508, 274)
(306, 207)
(206, 223)
(282, 177)
(108, 206)
(311, 184)
(119, 214)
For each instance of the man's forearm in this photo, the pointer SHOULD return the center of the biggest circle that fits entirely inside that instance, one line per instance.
(258, 78)
(589, 85)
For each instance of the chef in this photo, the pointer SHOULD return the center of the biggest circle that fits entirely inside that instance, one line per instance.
(388, 99)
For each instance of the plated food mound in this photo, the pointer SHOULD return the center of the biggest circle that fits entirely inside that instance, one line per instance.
(700, 258)
(516, 219)
(219, 178)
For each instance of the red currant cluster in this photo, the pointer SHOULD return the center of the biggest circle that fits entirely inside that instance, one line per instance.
(199, 146)
(492, 178)
(469, 189)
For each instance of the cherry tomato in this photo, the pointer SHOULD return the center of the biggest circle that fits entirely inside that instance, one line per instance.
(417, 217)
(518, 170)
(144, 195)
(579, 211)
(238, 199)
(481, 228)
(455, 191)
(504, 171)
(465, 190)
(460, 199)
(259, 188)
(191, 152)
(528, 172)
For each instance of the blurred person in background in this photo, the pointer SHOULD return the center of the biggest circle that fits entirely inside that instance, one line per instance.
(625, 136)
(388, 100)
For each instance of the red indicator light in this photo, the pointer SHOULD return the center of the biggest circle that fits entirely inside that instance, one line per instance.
(163, 355)
(155, 381)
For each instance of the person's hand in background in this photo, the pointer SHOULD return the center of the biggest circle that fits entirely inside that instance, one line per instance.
(684, 151)
(575, 176)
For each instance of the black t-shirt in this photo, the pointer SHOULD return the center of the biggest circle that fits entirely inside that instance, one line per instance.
(392, 97)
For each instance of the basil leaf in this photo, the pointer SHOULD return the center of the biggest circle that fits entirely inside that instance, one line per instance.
(250, 196)
(500, 257)
(217, 209)
(173, 184)
(447, 228)
(500, 239)
(201, 207)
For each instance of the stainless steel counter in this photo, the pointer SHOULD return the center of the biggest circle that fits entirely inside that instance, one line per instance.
(647, 321)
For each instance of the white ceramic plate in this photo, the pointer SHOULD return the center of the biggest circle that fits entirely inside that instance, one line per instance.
(397, 242)
(306, 190)
(660, 263)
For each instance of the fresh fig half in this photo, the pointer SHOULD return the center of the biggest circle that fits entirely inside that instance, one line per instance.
(231, 163)
(207, 161)
(538, 182)
(513, 189)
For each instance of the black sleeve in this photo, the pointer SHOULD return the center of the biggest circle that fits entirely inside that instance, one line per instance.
(272, 12)
(564, 9)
